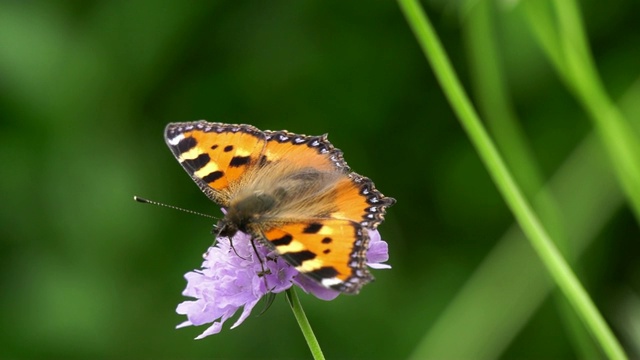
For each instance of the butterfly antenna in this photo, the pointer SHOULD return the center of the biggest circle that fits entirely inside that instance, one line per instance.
(147, 201)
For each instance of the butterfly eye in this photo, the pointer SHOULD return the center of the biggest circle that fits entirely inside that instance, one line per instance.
(225, 228)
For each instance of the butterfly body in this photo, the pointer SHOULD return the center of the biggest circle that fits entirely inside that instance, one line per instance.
(294, 193)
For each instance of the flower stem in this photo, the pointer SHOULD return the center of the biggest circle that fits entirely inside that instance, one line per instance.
(558, 268)
(303, 322)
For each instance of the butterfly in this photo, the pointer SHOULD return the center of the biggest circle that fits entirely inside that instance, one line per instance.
(293, 193)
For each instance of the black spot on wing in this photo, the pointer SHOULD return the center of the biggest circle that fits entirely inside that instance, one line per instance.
(213, 176)
(325, 272)
(327, 240)
(196, 164)
(238, 161)
(285, 240)
(228, 148)
(186, 144)
(312, 228)
(263, 161)
(301, 256)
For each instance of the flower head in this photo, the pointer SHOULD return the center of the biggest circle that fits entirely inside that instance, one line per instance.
(232, 277)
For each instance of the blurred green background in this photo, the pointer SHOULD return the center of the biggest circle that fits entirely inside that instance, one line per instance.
(86, 88)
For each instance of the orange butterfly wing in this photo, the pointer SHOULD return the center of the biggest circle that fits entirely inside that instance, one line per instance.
(215, 155)
(337, 260)
(330, 251)
(356, 197)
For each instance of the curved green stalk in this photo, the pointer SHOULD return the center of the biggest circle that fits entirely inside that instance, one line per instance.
(303, 322)
(569, 53)
(527, 219)
(495, 106)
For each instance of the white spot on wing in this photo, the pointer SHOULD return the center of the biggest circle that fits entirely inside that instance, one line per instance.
(331, 282)
(207, 169)
(190, 155)
(309, 265)
(242, 152)
(325, 230)
(294, 246)
(176, 140)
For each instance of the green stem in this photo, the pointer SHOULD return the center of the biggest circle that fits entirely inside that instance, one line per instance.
(495, 107)
(568, 51)
(527, 219)
(618, 136)
(303, 322)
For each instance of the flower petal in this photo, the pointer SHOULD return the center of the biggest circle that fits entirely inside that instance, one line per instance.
(378, 251)
(233, 276)
(245, 313)
(215, 328)
(312, 287)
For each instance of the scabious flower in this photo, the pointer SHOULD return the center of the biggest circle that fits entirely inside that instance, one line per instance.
(232, 277)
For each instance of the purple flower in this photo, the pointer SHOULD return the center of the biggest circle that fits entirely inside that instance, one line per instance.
(232, 278)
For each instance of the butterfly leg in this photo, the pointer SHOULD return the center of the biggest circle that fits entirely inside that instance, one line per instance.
(263, 272)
